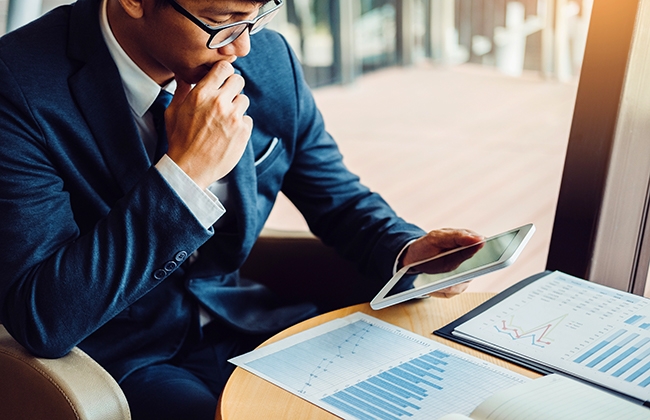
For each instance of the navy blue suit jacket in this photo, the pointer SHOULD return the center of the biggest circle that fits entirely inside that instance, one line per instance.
(92, 238)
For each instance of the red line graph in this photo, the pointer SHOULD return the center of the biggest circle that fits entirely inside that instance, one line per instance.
(538, 335)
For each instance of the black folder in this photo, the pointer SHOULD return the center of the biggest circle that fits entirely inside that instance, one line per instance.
(447, 332)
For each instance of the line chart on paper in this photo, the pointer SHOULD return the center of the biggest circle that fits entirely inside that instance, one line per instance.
(359, 367)
(324, 361)
(539, 335)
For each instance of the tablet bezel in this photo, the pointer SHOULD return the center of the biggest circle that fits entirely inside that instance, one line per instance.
(381, 300)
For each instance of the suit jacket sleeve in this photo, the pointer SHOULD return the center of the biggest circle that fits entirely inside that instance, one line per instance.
(338, 208)
(61, 281)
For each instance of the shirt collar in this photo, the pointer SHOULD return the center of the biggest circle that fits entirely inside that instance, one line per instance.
(141, 90)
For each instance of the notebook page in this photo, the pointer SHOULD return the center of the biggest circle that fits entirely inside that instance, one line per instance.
(559, 398)
(455, 416)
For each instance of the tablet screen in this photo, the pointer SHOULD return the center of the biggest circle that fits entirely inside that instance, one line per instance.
(454, 263)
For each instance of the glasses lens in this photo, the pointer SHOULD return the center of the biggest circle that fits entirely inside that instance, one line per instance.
(263, 21)
(227, 35)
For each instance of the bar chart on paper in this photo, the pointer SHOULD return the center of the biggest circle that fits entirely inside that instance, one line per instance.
(584, 329)
(359, 367)
(623, 354)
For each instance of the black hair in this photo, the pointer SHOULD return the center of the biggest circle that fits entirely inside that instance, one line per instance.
(161, 3)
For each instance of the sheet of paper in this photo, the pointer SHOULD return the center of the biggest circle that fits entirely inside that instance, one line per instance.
(578, 327)
(359, 367)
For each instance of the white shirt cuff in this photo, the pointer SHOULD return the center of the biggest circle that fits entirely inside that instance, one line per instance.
(204, 205)
(399, 256)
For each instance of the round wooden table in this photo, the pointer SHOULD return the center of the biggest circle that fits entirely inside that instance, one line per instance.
(247, 396)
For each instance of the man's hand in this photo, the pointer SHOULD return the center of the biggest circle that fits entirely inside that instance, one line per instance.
(206, 126)
(436, 242)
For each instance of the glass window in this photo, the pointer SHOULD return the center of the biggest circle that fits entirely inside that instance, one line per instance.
(375, 34)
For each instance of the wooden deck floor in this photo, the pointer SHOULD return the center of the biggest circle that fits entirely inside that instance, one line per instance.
(455, 147)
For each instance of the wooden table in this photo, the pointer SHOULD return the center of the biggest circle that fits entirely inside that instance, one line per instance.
(246, 396)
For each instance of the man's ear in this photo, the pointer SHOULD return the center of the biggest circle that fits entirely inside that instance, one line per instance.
(133, 8)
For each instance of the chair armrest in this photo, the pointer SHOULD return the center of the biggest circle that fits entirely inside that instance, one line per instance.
(71, 387)
(297, 265)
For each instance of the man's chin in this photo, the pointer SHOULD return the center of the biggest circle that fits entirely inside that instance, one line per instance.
(193, 76)
(196, 76)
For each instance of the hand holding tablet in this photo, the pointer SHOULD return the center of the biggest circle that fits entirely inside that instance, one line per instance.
(453, 267)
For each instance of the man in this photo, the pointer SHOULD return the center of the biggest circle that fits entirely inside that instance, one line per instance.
(134, 257)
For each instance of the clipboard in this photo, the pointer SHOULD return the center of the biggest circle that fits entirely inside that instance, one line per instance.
(524, 361)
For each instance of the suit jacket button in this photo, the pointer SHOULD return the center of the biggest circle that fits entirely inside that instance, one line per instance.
(170, 266)
(160, 274)
(180, 256)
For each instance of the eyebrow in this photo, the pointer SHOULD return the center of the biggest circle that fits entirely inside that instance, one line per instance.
(221, 11)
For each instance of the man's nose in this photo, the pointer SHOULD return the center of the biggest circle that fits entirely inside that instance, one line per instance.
(239, 47)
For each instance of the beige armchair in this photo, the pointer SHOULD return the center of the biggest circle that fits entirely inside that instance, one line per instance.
(72, 387)
(76, 387)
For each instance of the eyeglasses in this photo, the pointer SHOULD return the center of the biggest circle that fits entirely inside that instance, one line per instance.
(224, 35)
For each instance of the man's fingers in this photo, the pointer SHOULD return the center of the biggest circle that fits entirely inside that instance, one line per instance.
(208, 128)
(451, 238)
(241, 103)
(221, 80)
(447, 262)
(451, 291)
(438, 241)
(218, 74)
(248, 121)
(232, 86)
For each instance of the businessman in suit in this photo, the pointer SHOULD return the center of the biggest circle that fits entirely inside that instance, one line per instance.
(123, 232)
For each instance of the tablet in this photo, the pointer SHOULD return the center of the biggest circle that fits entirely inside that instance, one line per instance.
(452, 267)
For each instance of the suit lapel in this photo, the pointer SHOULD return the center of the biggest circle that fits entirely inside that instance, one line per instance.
(242, 184)
(244, 192)
(97, 89)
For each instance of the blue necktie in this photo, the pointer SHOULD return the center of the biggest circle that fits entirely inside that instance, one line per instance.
(158, 112)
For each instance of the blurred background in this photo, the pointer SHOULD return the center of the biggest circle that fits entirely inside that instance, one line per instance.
(457, 111)
(340, 40)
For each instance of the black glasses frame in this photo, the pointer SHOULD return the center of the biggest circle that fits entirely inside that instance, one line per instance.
(212, 31)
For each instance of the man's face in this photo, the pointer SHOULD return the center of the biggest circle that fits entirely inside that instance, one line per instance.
(173, 44)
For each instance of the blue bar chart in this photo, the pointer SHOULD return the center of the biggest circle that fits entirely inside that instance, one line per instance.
(625, 353)
(599, 346)
(637, 320)
(632, 363)
(367, 369)
(632, 350)
(413, 389)
(633, 320)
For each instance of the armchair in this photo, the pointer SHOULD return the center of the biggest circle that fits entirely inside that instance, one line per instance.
(72, 387)
(76, 387)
